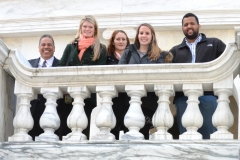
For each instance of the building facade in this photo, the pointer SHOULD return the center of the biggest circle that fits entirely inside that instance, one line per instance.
(23, 22)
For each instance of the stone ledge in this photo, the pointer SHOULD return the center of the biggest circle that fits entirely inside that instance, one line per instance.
(174, 149)
(61, 25)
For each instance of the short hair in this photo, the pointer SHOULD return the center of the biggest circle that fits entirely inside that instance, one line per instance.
(46, 35)
(190, 15)
(154, 49)
(111, 47)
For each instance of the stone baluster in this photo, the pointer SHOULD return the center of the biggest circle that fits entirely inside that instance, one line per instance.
(134, 120)
(23, 121)
(163, 119)
(192, 118)
(49, 120)
(105, 119)
(77, 120)
(223, 118)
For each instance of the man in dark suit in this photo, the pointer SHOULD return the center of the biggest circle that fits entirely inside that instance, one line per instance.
(46, 48)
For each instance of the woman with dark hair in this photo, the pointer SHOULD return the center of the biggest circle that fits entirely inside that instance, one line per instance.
(145, 50)
(116, 46)
(85, 49)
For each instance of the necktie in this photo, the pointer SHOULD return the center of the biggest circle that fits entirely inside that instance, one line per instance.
(44, 64)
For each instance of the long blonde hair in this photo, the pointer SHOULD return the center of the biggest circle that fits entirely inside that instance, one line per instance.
(155, 51)
(96, 44)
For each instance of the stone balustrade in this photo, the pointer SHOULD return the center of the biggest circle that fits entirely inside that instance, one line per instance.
(136, 81)
(219, 76)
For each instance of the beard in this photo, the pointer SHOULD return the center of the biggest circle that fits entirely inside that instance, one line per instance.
(193, 36)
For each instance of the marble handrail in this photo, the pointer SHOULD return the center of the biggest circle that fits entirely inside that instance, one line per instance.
(91, 76)
(136, 80)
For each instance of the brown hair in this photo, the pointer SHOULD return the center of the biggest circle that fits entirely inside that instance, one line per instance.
(111, 47)
(155, 51)
(96, 44)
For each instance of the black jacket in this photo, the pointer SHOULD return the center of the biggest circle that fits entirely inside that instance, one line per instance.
(112, 60)
(34, 62)
(207, 50)
(131, 56)
(70, 56)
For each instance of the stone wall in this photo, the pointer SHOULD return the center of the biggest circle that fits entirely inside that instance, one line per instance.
(7, 105)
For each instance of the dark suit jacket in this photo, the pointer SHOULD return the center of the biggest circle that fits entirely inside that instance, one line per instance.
(38, 105)
(34, 62)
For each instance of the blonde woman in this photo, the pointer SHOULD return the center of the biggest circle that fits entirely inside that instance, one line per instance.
(85, 49)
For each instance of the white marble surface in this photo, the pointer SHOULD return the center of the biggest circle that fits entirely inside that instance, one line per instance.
(192, 118)
(63, 19)
(144, 150)
(105, 119)
(134, 119)
(14, 9)
(23, 121)
(50, 120)
(77, 120)
(7, 105)
(3, 51)
(162, 119)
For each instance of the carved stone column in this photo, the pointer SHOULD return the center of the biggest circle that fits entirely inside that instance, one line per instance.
(223, 118)
(163, 118)
(192, 118)
(49, 120)
(23, 121)
(134, 120)
(105, 119)
(77, 120)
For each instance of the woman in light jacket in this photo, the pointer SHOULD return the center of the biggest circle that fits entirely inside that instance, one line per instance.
(145, 50)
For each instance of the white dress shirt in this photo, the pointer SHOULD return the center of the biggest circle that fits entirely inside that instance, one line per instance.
(49, 62)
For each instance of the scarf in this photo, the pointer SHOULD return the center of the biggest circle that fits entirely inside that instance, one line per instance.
(118, 55)
(83, 44)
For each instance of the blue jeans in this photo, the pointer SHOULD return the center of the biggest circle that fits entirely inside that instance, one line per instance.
(207, 106)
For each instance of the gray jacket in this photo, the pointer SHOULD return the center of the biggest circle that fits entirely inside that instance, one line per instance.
(131, 56)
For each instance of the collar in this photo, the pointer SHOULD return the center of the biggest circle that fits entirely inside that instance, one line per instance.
(183, 44)
(196, 40)
(49, 62)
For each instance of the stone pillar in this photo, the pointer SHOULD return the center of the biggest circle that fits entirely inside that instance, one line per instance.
(192, 118)
(7, 97)
(223, 118)
(77, 120)
(105, 119)
(23, 121)
(134, 120)
(163, 119)
(49, 120)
